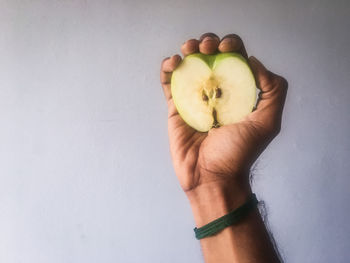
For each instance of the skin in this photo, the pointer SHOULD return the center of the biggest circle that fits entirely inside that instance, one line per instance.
(213, 168)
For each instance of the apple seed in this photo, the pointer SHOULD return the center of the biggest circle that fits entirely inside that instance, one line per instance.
(217, 93)
(205, 97)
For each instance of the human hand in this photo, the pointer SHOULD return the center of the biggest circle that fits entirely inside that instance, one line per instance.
(221, 158)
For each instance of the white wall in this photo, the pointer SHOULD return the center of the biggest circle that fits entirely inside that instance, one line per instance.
(85, 171)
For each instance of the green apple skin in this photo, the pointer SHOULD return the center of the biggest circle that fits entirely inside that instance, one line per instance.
(206, 121)
(213, 60)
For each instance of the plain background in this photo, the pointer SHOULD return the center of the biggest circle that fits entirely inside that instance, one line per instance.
(85, 171)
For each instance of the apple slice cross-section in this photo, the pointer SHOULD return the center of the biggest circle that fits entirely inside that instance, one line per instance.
(210, 91)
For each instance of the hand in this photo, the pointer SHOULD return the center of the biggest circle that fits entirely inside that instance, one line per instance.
(223, 156)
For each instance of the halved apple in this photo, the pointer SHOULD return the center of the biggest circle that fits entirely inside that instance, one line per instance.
(213, 90)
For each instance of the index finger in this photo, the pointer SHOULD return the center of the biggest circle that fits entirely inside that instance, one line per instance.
(168, 66)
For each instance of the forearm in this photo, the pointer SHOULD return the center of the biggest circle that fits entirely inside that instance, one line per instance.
(247, 241)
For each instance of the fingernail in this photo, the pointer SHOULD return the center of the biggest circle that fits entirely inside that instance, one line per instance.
(207, 39)
(176, 57)
(227, 41)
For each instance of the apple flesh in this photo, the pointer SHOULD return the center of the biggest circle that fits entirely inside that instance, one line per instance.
(210, 91)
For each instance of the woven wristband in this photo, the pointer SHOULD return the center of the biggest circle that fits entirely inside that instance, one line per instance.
(227, 220)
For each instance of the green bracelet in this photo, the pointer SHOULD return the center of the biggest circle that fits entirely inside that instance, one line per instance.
(231, 218)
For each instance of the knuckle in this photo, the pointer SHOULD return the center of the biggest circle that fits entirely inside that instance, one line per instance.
(270, 76)
(280, 82)
(267, 80)
(274, 130)
(165, 59)
(283, 82)
(163, 62)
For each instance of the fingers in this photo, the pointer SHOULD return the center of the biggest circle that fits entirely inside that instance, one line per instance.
(168, 66)
(208, 43)
(189, 47)
(232, 43)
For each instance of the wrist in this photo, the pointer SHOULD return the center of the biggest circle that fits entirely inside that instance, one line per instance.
(210, 201)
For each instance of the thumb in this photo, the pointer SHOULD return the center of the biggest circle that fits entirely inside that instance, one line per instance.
(272, 97)
(261, 74)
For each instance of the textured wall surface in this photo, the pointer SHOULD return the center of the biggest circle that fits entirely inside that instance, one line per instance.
(85, 171)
